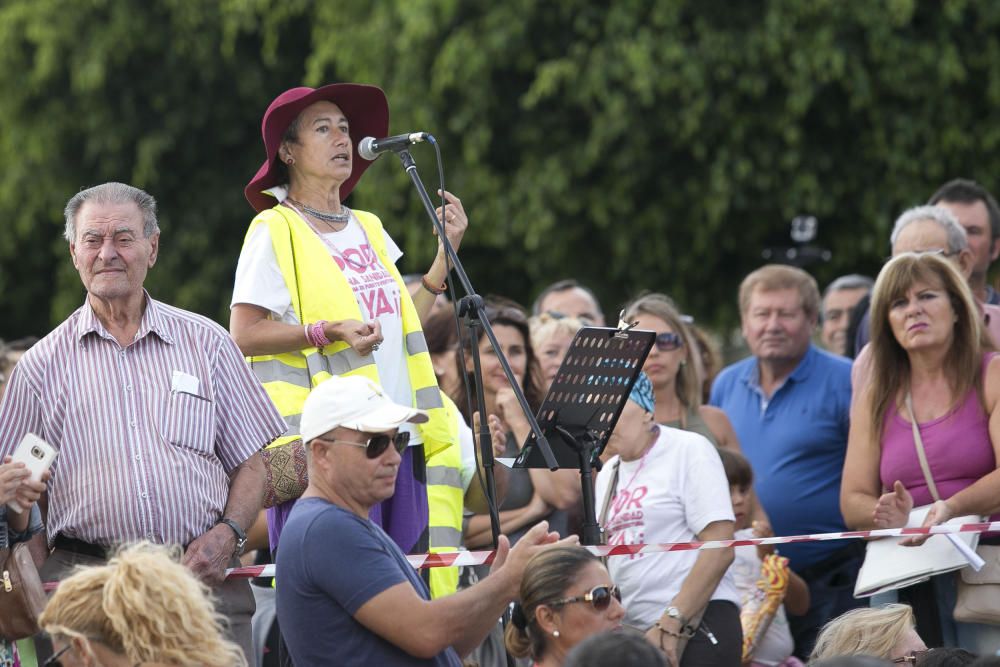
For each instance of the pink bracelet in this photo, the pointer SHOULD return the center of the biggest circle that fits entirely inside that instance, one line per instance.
(312, 335)
(317, 334)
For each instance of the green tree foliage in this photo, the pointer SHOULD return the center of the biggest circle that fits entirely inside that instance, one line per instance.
(641, 144)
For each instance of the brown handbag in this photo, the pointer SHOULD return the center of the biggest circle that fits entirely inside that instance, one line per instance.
(285, 472)
(22, 596)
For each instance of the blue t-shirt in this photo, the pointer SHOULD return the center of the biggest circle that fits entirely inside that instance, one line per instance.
(796, 442)
(330, 563)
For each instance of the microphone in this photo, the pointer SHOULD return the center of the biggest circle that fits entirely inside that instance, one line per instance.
(369, 148)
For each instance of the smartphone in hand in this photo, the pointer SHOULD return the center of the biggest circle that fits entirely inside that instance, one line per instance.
(37, 455)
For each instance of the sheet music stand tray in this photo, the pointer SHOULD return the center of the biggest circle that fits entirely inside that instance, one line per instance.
(584, 403)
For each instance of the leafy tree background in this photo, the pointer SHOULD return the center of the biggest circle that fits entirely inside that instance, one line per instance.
(640, 144)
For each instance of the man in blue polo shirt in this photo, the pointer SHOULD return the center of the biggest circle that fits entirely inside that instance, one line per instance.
(789, 403)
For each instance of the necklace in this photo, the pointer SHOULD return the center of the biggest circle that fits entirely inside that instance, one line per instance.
(325, 216)
(357, 266)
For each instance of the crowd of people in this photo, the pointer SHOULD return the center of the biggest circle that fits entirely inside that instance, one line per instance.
(332, 431)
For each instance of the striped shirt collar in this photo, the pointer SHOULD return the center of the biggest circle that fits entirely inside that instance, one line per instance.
(152, 322)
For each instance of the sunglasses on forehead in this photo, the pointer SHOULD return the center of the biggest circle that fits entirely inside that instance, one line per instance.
(376, 445)
(668, 340)
(599, 597)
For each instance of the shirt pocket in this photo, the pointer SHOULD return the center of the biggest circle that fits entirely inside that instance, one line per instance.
(189, 422)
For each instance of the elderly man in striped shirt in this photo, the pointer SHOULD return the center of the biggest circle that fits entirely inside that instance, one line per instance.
(156, 415)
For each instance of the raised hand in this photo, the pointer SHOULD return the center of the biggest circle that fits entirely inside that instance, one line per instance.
(455, 221)
(893, 509)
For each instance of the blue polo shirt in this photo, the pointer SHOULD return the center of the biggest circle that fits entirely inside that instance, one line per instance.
(796, 442)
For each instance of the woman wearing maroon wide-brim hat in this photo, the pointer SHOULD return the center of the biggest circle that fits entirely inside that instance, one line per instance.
(317, 291)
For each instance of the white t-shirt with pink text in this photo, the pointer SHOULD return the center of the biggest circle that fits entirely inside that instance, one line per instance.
(669, 495)
(259, 282)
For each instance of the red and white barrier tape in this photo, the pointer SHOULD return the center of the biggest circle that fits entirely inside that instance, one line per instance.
(456, 558)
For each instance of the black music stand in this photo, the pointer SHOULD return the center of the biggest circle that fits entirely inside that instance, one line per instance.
(583, 405)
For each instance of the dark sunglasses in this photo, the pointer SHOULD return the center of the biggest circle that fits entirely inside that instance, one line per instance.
(54, 660)
(376, 445)
(668, 340)
(599, 597)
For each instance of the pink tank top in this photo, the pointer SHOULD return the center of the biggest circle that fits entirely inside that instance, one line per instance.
(957, 445)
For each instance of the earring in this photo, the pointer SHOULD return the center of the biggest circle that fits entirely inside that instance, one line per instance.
(555, 633)
(290, 160)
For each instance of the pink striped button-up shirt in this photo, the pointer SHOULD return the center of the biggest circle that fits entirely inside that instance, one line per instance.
(147, 434)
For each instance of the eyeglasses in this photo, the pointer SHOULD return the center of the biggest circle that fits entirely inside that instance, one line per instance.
(54, 660)
(376, 445)
(599, 597)
(669, 340)
(911, 658)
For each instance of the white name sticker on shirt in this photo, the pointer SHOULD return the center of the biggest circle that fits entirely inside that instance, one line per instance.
(184, 383)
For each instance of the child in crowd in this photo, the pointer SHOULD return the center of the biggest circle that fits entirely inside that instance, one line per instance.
(775, 645)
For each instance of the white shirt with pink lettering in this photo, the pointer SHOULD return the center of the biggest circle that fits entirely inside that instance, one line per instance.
(669, 495)
(259, 282)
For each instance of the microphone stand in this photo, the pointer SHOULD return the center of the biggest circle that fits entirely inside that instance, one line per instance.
(473, 307)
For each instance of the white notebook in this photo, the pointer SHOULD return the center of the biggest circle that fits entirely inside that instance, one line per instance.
(889, 565)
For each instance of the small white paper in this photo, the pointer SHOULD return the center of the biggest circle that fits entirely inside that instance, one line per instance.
(505, 461)
(184, 383)
(975, 560)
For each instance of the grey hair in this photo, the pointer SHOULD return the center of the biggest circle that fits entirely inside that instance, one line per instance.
(957, 239)
(112, 193)
(850, 281)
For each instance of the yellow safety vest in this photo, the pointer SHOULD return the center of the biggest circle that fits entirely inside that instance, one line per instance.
(320, 291)
(445, 500)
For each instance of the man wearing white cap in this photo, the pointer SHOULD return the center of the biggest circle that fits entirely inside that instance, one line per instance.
(346, 593)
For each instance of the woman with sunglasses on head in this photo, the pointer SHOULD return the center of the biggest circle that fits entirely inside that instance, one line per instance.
(141, 608)
(660, 485)
(566, 596)
(674, 366)
(533, 494)
(317, 291)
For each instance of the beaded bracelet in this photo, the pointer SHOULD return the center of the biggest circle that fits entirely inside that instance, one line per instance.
(687, 632)
(430, 287)
(317, 334)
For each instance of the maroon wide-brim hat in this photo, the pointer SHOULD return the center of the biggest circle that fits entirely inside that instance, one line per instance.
(367, 112)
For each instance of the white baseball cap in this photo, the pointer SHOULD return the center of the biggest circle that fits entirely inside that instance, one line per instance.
(353, 402)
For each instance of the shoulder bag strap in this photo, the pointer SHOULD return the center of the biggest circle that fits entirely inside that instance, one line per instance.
(608, 496)
(921, 455)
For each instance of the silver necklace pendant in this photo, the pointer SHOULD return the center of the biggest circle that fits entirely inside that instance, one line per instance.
(325, 216)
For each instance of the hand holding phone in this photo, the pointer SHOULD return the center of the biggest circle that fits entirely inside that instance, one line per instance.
(37, 456)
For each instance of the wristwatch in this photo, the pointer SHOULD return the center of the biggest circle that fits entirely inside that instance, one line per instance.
(675, 613)
(241, 537)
